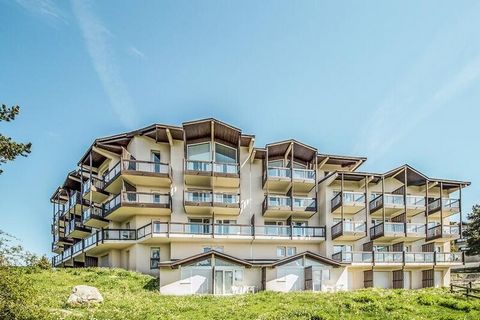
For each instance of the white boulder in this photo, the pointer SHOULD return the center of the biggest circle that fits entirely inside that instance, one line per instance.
(84, 295)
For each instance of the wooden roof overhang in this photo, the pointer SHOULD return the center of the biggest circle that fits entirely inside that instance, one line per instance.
(306, 254)
(203, 256)
(212, 129)
(352, 176)
(115, 143)
(347, 163)
(301, 152)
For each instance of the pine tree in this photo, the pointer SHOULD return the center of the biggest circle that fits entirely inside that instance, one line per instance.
(10, 149)
(473, 231)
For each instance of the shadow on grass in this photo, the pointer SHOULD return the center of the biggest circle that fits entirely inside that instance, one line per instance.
(152, 285)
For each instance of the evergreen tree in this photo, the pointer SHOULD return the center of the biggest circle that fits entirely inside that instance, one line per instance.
(473, 231)
(10, 149)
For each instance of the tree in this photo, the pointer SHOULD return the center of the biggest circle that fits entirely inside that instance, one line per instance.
(473, 231)
(10, 149)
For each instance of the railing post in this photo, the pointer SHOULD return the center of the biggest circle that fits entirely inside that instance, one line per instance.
(291, 231)
(434, 258)
(168, 229)
(373, 257)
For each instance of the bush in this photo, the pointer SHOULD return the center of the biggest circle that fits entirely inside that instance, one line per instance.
(14, 294)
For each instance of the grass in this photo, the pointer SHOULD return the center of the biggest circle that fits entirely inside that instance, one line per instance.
(130, 295)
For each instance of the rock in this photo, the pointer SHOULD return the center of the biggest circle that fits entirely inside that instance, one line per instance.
(82, 295)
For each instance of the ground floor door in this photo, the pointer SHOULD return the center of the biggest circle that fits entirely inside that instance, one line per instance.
(407, 280)
(293, 278)
(438, 279)
(223, 281)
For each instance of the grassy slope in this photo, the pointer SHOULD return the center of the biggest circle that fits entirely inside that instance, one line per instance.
(131, 295)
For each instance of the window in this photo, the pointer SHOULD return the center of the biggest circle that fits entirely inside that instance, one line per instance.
(154, 257)
(210, 248)
(286, 251)
(342, 248)
(156, 161)
(199, 152)
(225, 154)
(275, 163)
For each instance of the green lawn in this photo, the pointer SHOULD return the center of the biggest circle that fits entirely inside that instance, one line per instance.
(130, 295)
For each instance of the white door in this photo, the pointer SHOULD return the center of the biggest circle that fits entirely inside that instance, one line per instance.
(407, 280)
(382, 279)
(438, 279)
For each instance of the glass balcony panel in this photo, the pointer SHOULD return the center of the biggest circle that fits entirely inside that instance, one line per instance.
(282, 173)
(304, 174)
(393, 199)
(394, 227)
(194, 196)
(227, 168)
(197, 165)
(415, 201)
(279, 201)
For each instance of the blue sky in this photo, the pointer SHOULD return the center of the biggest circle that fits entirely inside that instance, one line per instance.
(395, 81)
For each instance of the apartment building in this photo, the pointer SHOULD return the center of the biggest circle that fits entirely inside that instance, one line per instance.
(203, 208)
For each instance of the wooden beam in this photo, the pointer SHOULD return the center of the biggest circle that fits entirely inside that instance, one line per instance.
(169, 137)
(323, 162)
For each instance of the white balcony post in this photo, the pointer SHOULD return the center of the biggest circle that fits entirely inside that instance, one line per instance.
(341, 197)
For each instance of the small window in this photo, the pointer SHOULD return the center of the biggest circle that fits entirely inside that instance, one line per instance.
(291, 251)
(154, 257)
(281, 251)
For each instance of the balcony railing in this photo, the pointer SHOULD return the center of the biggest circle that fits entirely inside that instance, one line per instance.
(415, 201)
(340, 228)
(353, 257)
(449, 257)
(134, 197)
(72, 225)
(145, 166)
(386, 199)
(212, 167)
(419, 257)
(349, 198)
(213, 199)
(279, 173)
(304, 174)
(304, 204)
(118, 234)
(279, 201)
(77, 247)
(111, 174)
(74, 199)
(388, 257)
(447, 203)
(95, 182)
(189, 228)
(416, 228)
(445, 231)
(232, 230)
(92, 212)
(192, 228)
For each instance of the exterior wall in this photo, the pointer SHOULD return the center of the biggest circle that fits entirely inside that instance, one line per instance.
(348, 277)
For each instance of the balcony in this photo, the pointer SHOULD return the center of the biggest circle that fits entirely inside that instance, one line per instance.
(206, 202)
(137, 172)
(75, 203)
(352, 202)
(234, 232)
(450, 207)
(130, 203)
(75, 229)
(107, 239)
(303, 180)
(354, 257)
(449, 258)
(93, 190)
(415, 205)
(93, 217)
(443, 233)
(349, 230)
(413, 258)
(393, 203)
(209, 174)
(278, 179)
(388, 258)
(284, 207)
(391, 231)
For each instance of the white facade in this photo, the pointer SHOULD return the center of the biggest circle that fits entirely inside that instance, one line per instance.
(164, 194)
